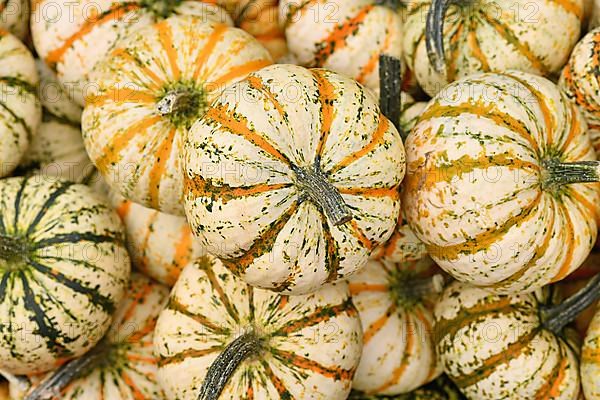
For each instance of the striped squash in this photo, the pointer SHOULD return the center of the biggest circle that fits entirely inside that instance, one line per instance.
(149, 91)
(507, 347)
(441, 388)
(491, 187)
(73, 36)
(64, 268)
(20, 110)
(579, 79)
(344, 36)
(590, 360)
(122, 366)
(159, 244)
(402, 246)
(54, 96)
(303, 347)
(313, 164)
(14, 17)
(410, 112)
(488, 36)
(395, 302)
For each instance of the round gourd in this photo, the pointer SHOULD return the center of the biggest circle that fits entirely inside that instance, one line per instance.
(120, 367)
(159, 244)
(590, 360)
(274, 346)
(579, 80)
(54, 97)
(64, 268)
(20, 111)
(73, 36)
(292, 176)
(441, 388)
(410, 112)
(456, 38)
(394, 303)
(491, 185)
(344, 36)
(509, 347)
(134, 128)
(402, 246)
(14, 17)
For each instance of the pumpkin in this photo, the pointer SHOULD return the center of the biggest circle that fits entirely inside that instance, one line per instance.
(221, 338)
(149, 90)
(590, 360)
(54, 97)
(402, 246)
(344, 36)
(120, 367)
(492, 184)
(441, 388)
(445, 40)
(410, 112)
(73, 36)
(159, 244)
(313, 164)
(14, 17)
(580, 81)
(64, 269)
(509, 347)
(394, 302)
(20, 111)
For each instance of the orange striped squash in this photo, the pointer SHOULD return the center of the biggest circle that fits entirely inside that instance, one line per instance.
(302, 347)
(20, 110)
(579, 80)
(72, 36)
(345, 36)
(497, 347)
(590, 360)
(159, 244)
(484, 187)
(14, 17)
(292, 178)
(122, 366)
(395, 303)
(493, 37)
(148, 92)
(55, 98)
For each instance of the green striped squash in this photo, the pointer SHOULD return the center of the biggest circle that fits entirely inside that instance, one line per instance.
(395, 303)
(590, 360)
(441, 388)
(55, 97)
(64, 269)
(134, 130)
(279, 347)
(73, 36)
(20, 111)
(580, 81)
(344, 36)
(122, 366)
(497, 347)
(488, 186)
(410, 112)
(160, 245)
(315, 167)
(14, 17)
(490, 36)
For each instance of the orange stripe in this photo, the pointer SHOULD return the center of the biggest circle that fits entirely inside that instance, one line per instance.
(277, 383)
(569, 246)
(161, 157)
(429, 334)
(139, 297)
(326, 99)
(216, 35)
(183, 252)
(238, 125)
(121, 95)
(475, 48)
(137, 394)
(257, 83)
(356, 288)
(376, 140)
(111, 151)
(123, 209)
(590, 207)
(320, 315)
(187, 354)
(358, 233)
(156, 81)
(392, 192)
(223, 298)
(590, 356)
(200, 187)
(454, 52)
(146, 330)
(373, 61)
(551, 387)
(141, 359)
(241, 71)
(378, 325)
(571, 7)
(165, 37)
(575, 128)
(404, 363)
(116, 12)
(296, 360)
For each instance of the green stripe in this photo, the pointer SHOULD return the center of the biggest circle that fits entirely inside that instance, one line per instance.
(50, 201)
(3, 285)
(18, 119)
(20, 83)
(17, 206)
(75, 237)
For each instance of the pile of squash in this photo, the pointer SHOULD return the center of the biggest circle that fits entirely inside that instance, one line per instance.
(299, 199)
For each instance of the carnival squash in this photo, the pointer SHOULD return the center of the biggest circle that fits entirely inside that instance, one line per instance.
(14, 17)
(20, 110)
(509, 347)
(148, 92)
(445, 40)
(344, 36)
(441, 388)
(590, 360)
(492, 183)
(159, 244)
(395, 303)
(64, 269)
(292, 176)
(579, 79)
(55, 98)
(72, 36)
(220, 338)
(121, 366)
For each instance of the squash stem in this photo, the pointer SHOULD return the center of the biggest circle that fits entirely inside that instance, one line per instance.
(556, 317)
(226, 364)
(434, 32)
(392, 4)
(390, 85)
(313, 184)
(55, 383)
(176, 101)
(408, 291)
(559, 173)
